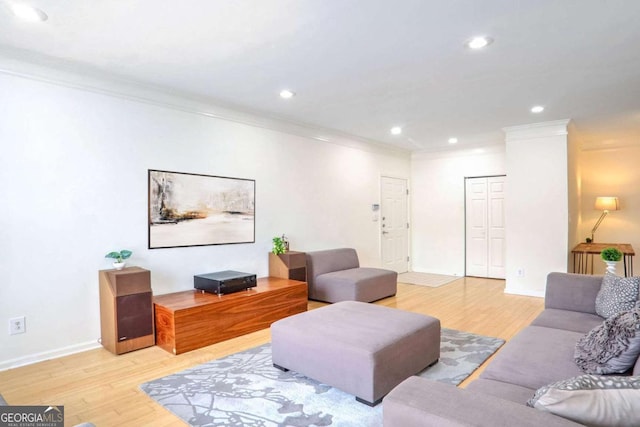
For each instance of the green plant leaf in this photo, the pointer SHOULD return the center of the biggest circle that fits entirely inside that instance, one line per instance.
(125, 253)
(115, 255)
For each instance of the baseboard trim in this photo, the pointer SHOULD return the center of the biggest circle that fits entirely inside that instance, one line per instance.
(47, 355)
(512, 291)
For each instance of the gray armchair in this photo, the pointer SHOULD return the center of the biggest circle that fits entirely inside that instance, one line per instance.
(335, 275)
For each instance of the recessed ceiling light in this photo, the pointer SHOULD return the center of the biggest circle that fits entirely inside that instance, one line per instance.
(396, 130)
(287, 94)
(453, 140)
(537, 109)
(28, 13)
(479, 42)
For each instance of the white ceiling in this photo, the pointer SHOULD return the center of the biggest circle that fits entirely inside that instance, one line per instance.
(362, 66)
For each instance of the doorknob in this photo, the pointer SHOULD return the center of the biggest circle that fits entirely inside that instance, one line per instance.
(385, 232)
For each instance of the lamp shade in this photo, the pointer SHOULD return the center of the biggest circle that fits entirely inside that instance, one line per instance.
(607, 204)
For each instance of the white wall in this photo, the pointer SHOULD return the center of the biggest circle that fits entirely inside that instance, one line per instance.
(437, 200)
(73, 186)
(537, 206)
(612, 172)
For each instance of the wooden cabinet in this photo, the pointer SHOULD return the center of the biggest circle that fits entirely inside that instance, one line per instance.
(126, 312)
(290, 265)
(193, 319)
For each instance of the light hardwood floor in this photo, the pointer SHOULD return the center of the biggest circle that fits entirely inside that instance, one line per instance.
(100, 387)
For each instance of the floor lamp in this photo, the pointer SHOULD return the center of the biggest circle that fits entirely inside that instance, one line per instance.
(604, 204)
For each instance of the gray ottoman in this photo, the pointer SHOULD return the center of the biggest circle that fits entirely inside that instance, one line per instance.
(360, 348)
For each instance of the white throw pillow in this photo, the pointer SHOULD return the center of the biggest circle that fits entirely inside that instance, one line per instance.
(593, 400)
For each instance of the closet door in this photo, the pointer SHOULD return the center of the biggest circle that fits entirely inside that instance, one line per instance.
(476, 224)
(485, 227)
(496, 227)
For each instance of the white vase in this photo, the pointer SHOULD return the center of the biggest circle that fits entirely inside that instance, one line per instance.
(119, 265)
(611, 266)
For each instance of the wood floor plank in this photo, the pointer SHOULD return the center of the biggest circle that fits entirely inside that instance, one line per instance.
(103, 388)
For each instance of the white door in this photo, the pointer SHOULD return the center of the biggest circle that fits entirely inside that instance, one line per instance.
(476, 219)
(485, 227)
(497, 233)
(394, 224)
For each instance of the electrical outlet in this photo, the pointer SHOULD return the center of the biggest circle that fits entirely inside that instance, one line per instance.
(520, 272)
(17, 325)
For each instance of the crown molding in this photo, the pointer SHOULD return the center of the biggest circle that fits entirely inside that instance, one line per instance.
(608, 145)
(537, 130)
(53, 71)
(468, 151)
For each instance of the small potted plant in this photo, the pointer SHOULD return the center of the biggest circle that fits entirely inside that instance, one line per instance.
(611, 257)
(119, 258)
(279, 246)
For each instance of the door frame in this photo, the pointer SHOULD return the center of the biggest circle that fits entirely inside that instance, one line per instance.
(379, 228)
(465, 211)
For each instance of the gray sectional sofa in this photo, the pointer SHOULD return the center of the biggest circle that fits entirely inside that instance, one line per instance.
(335, 275)
(539, 355)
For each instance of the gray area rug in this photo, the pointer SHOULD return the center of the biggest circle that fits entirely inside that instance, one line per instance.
(426, 279)
(244, 389)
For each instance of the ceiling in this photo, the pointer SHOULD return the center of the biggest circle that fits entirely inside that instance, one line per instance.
(359, 67)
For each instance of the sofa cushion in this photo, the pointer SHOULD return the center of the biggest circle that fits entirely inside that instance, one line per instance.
(575, 292)
(419, 402)
(320, 262)
(592, 400)
(576, 321)
(356, 284)
(506, 391)
(535, 357)
(611, 347)
(616, 294)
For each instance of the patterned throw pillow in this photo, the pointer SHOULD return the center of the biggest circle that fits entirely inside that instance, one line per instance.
(592, 400)
(616, 294)
(613, 346)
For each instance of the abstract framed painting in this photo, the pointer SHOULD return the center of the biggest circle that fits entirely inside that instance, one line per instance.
(187, 209)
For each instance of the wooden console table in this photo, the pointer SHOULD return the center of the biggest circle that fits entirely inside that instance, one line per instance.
(194, 319)
(583, 256)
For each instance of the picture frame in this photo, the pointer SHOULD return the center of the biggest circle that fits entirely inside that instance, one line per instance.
(189, 209)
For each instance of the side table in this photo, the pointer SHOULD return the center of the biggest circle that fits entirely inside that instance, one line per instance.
(583, 256)
(289, 265)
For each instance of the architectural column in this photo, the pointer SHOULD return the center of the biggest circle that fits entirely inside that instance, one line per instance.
(537, 208)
